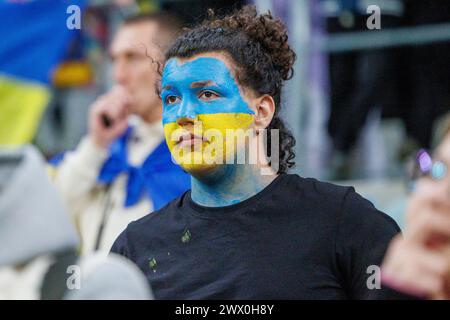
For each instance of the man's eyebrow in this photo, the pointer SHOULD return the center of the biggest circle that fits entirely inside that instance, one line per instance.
(200, 84)
(168, 87)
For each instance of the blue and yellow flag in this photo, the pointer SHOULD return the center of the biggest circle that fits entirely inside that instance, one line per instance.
(34, 37)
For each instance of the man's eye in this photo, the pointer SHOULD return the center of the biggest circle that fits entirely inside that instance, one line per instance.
(131, 56)
(172, 99)
(208, 95)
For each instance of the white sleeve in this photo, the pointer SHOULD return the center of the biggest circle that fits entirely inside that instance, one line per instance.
(76, 176)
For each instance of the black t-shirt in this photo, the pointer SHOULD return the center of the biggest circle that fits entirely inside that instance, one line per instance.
(296, 239)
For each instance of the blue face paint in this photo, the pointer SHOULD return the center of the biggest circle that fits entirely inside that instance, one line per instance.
(227, 109)
(181, 100)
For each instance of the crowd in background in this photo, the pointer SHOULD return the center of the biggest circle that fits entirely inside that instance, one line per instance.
(364, 113)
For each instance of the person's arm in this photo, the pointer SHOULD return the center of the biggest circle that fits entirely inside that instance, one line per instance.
(77, 174)
(362, 238)
(121, 245)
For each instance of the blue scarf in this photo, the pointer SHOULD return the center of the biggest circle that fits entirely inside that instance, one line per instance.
(158, 176)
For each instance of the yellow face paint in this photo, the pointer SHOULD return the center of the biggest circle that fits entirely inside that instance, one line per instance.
(220, 122)
(224, 134)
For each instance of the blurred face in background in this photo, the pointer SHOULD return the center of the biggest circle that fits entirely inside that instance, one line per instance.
(132, 52)
(436, 183)
(442, 155)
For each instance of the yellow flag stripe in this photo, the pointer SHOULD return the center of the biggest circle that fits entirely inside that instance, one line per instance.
(21, 107)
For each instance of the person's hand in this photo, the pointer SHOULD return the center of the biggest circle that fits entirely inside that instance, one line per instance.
(108, 118)
(428, 214)
(419, 262)
(414, 269)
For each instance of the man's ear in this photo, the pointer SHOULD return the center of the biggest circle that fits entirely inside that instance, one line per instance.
(265, 110)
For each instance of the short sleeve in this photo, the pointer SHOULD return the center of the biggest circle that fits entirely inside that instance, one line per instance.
(363, 236)
(120, 245)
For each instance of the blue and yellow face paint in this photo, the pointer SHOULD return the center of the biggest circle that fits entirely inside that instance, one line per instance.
(204, 91)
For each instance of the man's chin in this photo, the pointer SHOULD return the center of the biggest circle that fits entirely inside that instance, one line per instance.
(200, 170)
(199, 164)
(136, 111)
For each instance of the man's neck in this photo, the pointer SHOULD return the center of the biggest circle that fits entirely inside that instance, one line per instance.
(231, 185)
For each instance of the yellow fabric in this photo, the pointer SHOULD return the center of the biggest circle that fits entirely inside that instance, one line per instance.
(73, 74)
(21, 108)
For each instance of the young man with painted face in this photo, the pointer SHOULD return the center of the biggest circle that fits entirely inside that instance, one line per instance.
(247, 231)
(122, 170)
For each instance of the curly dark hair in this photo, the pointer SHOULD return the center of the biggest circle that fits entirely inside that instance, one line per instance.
(258, 46)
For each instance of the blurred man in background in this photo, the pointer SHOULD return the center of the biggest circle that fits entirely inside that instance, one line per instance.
(122, 169)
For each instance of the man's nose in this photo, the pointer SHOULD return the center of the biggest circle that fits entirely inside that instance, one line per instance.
(185, 121)
(120, 73)
(186, 113)
(447, 185)
(442, 188)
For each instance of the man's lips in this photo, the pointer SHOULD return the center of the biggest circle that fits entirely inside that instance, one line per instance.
(189, 138)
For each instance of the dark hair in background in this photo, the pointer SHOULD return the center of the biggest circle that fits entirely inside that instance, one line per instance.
(258, 46)
(193, 12)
